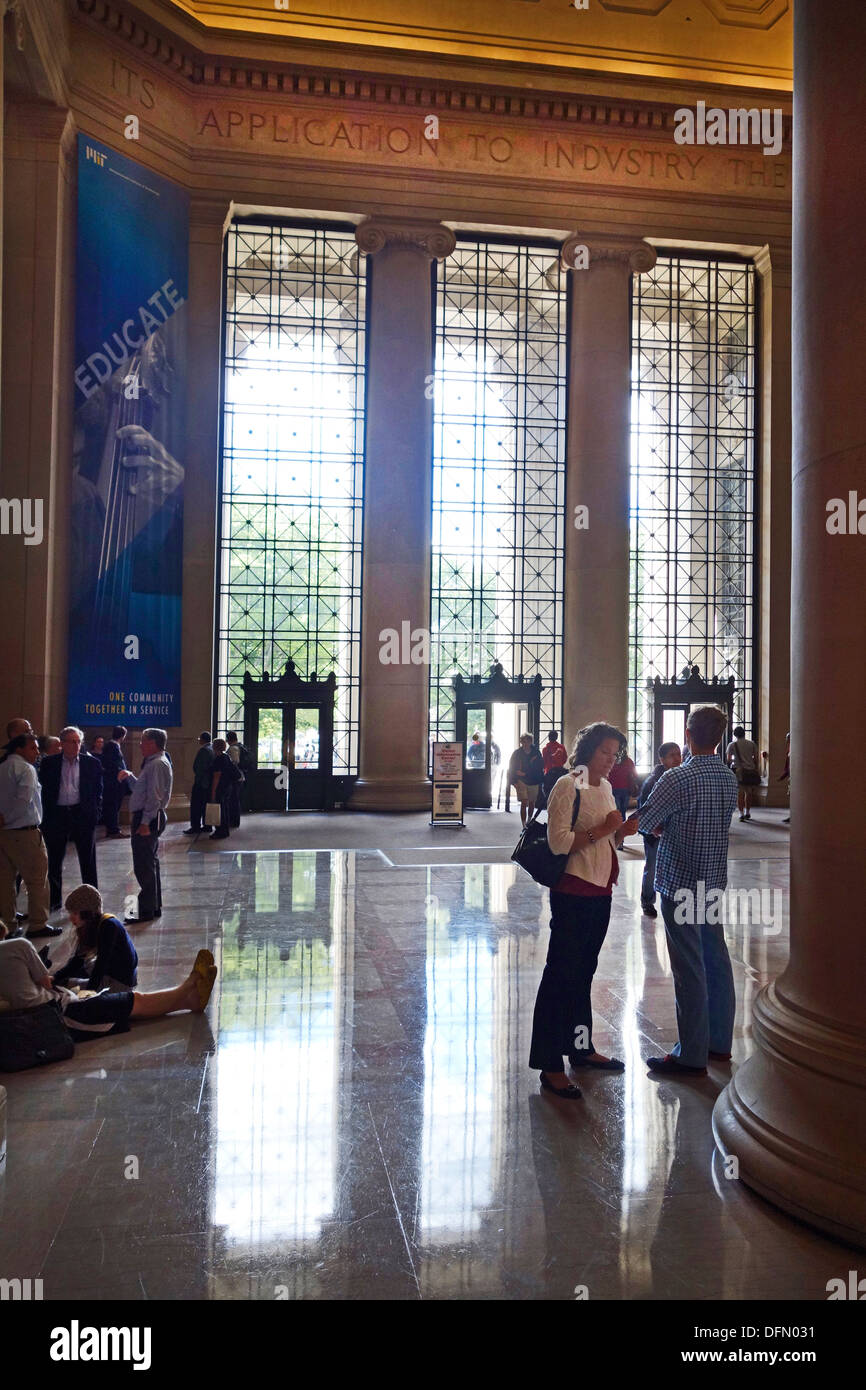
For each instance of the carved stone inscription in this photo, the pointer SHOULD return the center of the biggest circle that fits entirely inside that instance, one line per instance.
(301, 129)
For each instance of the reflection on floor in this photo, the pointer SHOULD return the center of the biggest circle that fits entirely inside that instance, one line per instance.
(354, 1117)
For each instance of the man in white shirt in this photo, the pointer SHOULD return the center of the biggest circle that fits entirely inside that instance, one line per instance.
(22, 849)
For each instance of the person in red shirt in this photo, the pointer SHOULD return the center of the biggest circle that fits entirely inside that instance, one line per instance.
(623, 782)
(554, 753)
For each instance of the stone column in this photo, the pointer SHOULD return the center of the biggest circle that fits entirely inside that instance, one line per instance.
(397, 501)
(773, 673)
(207, 217)
(795, 1113)
(595, 656)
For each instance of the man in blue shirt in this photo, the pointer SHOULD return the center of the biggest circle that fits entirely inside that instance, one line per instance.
(691, 807)
(151, 793)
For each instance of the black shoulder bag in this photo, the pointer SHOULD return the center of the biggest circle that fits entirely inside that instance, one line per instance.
(31, 1037)
(534, 854)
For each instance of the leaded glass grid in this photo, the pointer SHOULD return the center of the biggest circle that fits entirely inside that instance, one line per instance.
(498, 471)
(292, 465)
(693, 534)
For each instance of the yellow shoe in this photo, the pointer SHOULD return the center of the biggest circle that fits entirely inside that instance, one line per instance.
(204, 973)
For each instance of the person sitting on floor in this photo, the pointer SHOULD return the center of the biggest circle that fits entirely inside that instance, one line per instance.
(25, 983)
(103, 952)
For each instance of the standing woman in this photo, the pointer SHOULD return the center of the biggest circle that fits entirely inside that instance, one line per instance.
(580, 909)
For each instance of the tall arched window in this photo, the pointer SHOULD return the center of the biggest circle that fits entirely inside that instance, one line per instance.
(498, 470)
(693, 535)
(292, 465)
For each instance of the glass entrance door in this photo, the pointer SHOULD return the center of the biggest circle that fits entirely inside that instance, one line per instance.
(477, 758)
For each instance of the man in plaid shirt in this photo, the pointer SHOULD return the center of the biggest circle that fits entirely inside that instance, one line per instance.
(691, 806)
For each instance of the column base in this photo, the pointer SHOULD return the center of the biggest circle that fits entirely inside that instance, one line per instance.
(795, 1117)
(392, 794)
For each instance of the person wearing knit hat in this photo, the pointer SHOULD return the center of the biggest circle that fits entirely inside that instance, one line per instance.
(103, 954)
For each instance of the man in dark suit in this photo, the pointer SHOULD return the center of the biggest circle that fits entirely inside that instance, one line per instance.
(114, 791)
(71, 807)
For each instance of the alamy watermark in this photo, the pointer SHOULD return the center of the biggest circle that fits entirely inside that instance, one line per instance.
(22, 516)
(714, 907)
(737, 126)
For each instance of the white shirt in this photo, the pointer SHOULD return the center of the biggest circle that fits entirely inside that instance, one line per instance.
(70, 777)
(20, 794)
(594, 863)
(745, 755)
(21, 973)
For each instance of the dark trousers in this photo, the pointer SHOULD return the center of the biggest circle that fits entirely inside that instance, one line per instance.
(69, 823)
(197, 804)
(111, 800)
(234, 800)
(225, 818)
(145, 864)
(578, 927)
(622, 796)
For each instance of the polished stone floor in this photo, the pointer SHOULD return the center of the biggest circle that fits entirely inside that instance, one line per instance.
(353, 1117)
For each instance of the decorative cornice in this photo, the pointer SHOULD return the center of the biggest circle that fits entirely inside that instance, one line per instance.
(632, 253)
(433, 238)
(618, 116)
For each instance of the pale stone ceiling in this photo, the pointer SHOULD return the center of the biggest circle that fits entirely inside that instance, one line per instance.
(738, 42)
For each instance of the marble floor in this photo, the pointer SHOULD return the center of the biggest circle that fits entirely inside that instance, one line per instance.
(353, 1117)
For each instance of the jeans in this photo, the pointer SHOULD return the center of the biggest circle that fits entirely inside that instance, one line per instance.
(578, 927)
(703, 988)
(622, 798)
(647, 887)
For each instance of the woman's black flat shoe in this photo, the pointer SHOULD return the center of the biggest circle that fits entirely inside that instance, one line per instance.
(612, 1064)
(569, 1092)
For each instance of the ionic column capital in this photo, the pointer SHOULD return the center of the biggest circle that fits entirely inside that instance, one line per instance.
(433, 238)
(631, 253)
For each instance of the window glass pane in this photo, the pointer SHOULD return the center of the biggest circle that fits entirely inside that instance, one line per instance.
(694, 333)
(292, 465)
(498, 470)
(269, 750)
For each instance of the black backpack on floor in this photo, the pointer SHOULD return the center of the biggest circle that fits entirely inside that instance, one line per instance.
(33, 1037)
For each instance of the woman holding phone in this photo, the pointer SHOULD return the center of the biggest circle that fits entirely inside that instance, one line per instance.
(580, 909)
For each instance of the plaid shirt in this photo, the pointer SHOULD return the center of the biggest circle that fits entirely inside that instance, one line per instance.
(693, 804)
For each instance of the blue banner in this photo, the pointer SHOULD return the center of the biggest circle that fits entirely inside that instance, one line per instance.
(126, 558)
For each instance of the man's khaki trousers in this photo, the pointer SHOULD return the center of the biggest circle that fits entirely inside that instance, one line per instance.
(23, 852)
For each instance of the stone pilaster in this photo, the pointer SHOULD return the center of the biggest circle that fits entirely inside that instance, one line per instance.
(595, 657)
(397, 503)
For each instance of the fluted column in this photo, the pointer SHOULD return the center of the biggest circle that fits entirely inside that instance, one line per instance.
(397, 500)
(595, 656)
(795, 1113)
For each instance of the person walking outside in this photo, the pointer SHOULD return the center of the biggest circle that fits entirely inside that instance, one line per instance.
(670, 756)
(525, 771)
(742, 755)
(580, 909)
(691, 807)
(151, 793)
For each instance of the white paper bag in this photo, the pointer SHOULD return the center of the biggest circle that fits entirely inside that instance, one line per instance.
(213, 814)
